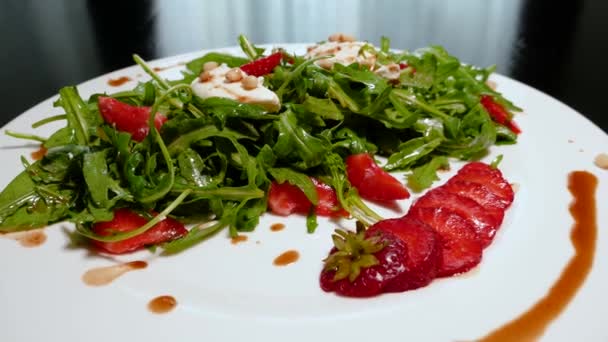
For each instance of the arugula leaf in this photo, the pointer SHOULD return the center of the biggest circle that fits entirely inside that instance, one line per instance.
(301, 180)
(422, 177)
(297, 145)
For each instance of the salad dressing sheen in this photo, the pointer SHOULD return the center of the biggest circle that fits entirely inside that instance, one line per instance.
(105, 275)
(162, 304)
(277, 227)
(116, 82)
(28, 238)
(238, 239)
(286, 258)
(531, 324)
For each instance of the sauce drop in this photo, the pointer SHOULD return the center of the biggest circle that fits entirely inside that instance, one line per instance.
(105, 275)
(115, 82)
(28, 238)
(39, 153)
(286, 258)
(238, 239)
(531, 324)
(277, 227)
(162, 304)
(601, 161)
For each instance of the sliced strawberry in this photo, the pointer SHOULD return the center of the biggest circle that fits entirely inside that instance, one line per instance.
(461, 248)
(328, 200)
(424, 252)
(127, 118)
(126, 220)
(372, 182)
(383, 247)
(285, 199)
(499, 113)
(487, 176)
(485, 223)
(263, 66)
(493, 204)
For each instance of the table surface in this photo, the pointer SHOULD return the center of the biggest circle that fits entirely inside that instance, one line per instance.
(558, 49)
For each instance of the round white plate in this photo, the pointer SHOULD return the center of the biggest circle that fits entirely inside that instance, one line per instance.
(230, 292)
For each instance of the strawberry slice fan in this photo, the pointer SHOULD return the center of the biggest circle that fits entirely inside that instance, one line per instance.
(443, 234)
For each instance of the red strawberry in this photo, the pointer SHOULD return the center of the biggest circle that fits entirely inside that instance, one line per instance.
(491, 178)
(461, 248)
(263, 66)
(494, 204)
(499, 113)
(485, 224)
(372, 182)
(127, 118)
(362, 264)
(423, 250)
(126, 220)
(285, 198)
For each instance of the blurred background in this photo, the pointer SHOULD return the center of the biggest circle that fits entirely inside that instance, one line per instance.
(559, 47)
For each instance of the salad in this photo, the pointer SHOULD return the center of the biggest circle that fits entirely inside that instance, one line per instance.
(237, 136)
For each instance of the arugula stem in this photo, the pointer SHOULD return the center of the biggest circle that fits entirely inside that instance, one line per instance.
(25, 136)
(123, 236)
(49, 119)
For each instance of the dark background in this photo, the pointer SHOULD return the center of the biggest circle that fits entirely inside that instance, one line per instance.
(558, 47)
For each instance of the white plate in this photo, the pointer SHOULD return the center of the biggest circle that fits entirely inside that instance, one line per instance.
(229, 292)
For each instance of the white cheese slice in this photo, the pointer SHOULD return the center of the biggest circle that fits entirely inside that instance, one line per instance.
(344, 53)
(218, 86)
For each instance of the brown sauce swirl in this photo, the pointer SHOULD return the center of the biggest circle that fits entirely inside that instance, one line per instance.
(115, 82)
(276, 227)
(100, 276)
(39, 153)
(238, 239)
(532, 324)
(28, 238)
(162, 304)
(286, 258)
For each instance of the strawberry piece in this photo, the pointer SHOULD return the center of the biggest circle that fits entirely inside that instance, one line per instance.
(126, 220)
(461, 249)
(328, 200)
(263, 66)
(285, 199)
(423, 249)
(487, 176)
(372, 182)
(386, 250)
(494, 205)
(127, 118)
(485, 223)
(499, 113)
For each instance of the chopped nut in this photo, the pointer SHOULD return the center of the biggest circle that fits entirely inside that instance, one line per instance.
(491, 84)
(210, 66)
(602, 161)
(341, 38)
(250, 82)
(515, 187)
(205, 76)
(234, 75)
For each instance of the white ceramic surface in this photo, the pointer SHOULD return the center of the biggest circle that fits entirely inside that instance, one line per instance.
(228, 292)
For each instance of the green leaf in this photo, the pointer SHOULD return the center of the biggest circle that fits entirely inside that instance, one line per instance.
(296, 144)
(83, 121)
(325, 108)
(410, 152)
(301, 180)
(422, 177)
